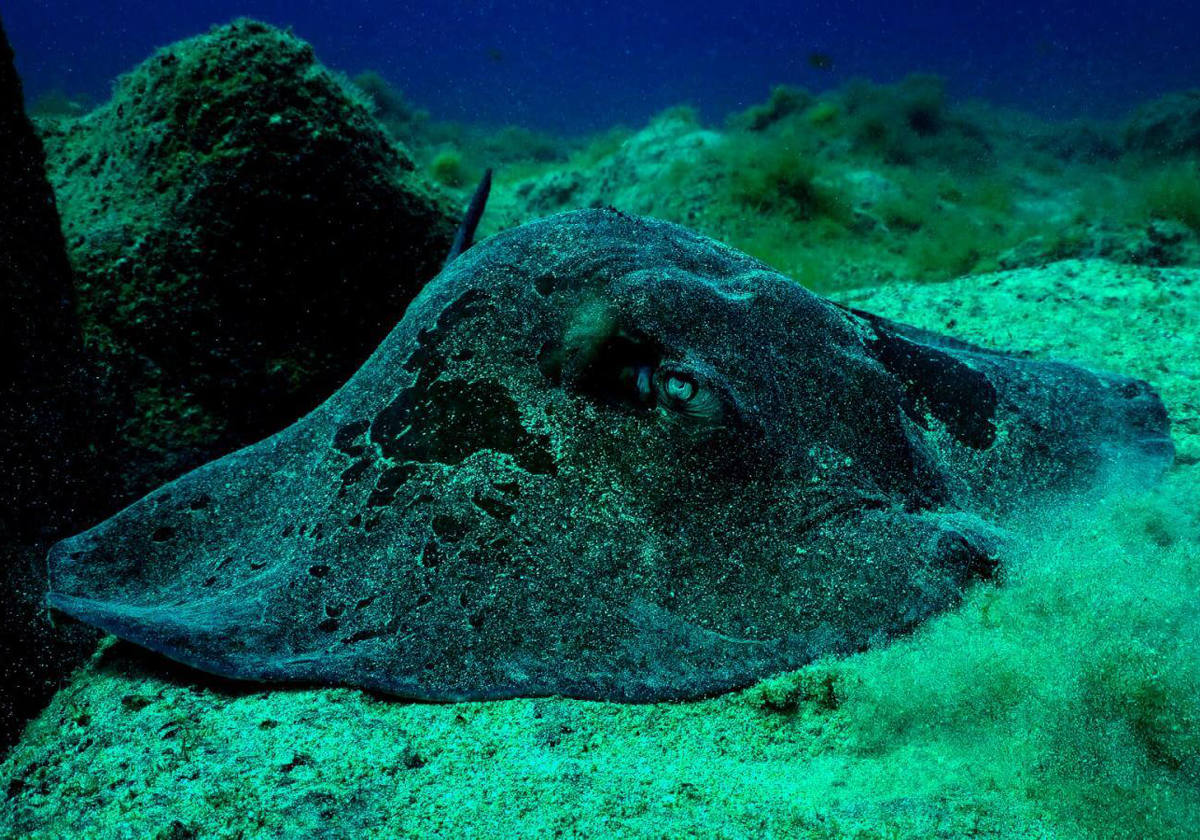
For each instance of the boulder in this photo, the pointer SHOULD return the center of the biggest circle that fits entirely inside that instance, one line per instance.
(244, 233)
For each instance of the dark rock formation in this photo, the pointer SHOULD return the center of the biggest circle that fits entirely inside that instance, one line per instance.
(44, 403)
(910, 122)
(39, 335)
(1080, 141)
(244, 233)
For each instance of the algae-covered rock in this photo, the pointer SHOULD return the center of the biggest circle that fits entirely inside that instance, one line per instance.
(1168, 126)
(244, 233)
(1080, 140)
(633, 177)
(1158, 242)
(910, 122)
(784, 101)
(890, 181)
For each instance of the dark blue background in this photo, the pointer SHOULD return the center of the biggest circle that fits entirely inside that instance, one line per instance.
(582, 66)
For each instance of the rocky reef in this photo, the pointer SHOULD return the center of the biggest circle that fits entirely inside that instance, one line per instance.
(1167, 127)
(866, 184)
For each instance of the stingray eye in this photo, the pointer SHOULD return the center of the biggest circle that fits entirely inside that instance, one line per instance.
(680, 389)
(683, 394)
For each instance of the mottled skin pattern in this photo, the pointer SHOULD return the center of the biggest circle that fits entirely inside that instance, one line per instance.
(606, 457)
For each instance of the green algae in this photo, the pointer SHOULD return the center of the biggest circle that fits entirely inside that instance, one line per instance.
(784, 101)
(1075, 681)
(448, 169)
(777, 178)
(1173, 192)
(876, 182)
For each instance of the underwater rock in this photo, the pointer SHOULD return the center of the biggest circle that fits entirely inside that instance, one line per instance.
(1159, 242)
(785, 101)
(606, 457)
(1079, 141)
(244, 233)
(630, 177)
(814, 197)
(49, 430)
(1168, 126)
(910, 122)
(41, 339)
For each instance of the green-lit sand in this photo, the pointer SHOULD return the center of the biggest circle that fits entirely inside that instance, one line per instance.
(1064, 702)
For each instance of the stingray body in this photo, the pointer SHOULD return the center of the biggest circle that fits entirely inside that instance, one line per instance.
(606, 457)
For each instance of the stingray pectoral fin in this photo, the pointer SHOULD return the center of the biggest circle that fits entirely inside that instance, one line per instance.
(877, 574)
(852, 581)
(671, 657)
(216, 635)
(201, 634)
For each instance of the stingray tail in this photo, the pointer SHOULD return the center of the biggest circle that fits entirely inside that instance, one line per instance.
(466, 230)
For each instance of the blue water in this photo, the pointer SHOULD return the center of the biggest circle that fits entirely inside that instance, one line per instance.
(584, 66)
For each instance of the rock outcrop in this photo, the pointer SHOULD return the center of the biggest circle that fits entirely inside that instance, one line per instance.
(44, 402)
(244, 234)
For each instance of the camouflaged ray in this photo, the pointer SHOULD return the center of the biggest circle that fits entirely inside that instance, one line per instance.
(606, 457)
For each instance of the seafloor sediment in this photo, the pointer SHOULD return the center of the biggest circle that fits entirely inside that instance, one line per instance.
(1063, 702)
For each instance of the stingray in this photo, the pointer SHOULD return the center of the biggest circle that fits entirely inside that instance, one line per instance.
(606, 457)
